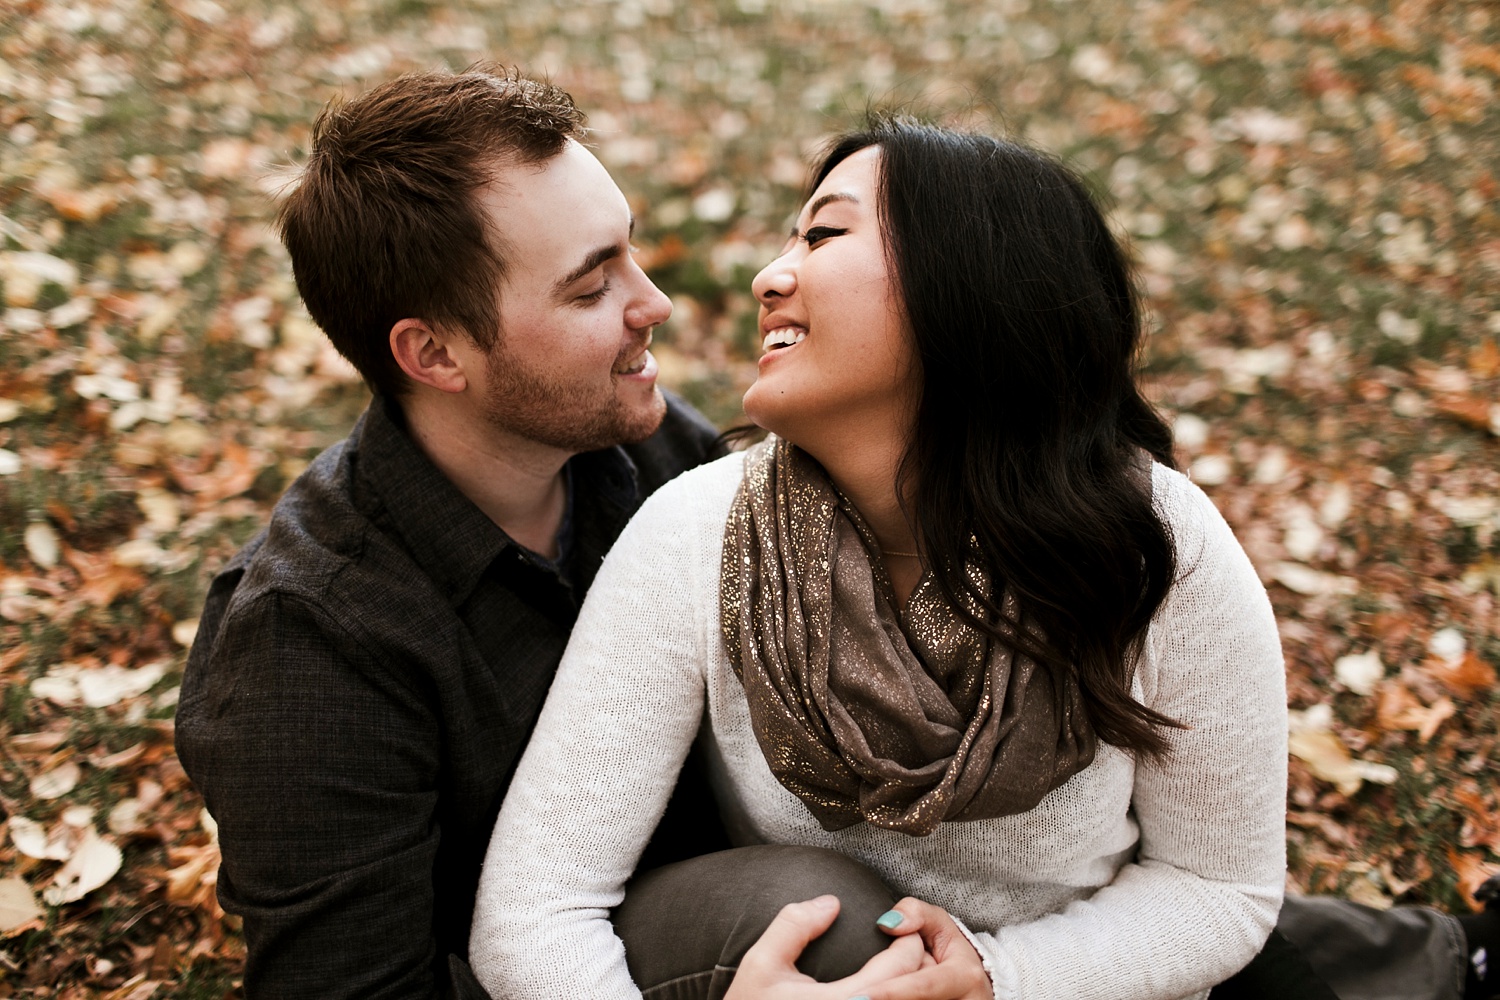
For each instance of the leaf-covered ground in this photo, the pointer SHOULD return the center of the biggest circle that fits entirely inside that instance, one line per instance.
(1309, 188)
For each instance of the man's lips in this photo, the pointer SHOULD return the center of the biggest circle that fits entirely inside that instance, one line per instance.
(637, 360)
(640, 365)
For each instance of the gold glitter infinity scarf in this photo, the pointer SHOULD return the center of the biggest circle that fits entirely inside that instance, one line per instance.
(902, 718)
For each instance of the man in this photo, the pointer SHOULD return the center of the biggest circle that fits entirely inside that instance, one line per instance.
(368, 668)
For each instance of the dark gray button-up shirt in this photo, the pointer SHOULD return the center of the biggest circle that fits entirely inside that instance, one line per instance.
(366, 673)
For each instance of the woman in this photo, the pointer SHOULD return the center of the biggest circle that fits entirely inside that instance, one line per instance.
(951, 621)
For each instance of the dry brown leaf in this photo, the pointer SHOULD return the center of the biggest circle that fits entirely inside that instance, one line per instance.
(38, 743)
(185, 631)
(1327, 758)
(129, 755)
(1472, 411)
(200, 866)
(13, 655)
(1484, 360)
(1422, 871)
(102, 589)
(234, 474)
(1398, 708)
(94, 862)
(57, 782)
(105, 576)
(1330, 830)
(36, 841)
(19, 909)
(1472, 871)
(1367, 893)
(42, 544)
(137, 987)
(1481, 823)
(1465, 677)
(112, 684)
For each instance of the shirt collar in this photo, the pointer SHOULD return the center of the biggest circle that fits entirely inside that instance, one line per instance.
(450, 538)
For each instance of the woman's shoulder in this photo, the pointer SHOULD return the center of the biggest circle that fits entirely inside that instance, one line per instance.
(1181, 503)
(710, 485)
(695, 502)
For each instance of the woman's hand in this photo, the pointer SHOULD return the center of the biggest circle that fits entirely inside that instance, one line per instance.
(956, 972)
(769, 971)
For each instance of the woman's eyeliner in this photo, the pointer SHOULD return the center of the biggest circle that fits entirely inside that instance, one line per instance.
(819, 233)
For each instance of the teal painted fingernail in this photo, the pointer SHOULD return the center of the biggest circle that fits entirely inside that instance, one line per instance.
(890, 920)
(860, 997)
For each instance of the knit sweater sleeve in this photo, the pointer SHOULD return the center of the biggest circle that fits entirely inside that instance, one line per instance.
(1202, 893)
(600, 767)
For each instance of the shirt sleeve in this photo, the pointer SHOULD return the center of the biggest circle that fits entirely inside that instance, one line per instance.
(595, 778)
(321, 770)
(1201, 895)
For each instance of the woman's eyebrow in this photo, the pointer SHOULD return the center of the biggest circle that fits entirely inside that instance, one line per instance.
(822, 200)
(832, 196)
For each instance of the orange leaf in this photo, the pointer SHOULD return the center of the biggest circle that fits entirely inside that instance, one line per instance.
(1464, 678)
(1484, 360)
(1472, 873)
(84, 206)
(1470, 410)
(1481, 826)
(102, 590)
(13, 655)
(234, 474)
(1398, 708)
(201, 868)
(103, 580)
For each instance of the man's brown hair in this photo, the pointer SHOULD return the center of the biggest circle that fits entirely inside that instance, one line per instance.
(385, 224)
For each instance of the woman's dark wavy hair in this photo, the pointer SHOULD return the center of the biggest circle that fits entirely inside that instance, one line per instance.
(1027, 448)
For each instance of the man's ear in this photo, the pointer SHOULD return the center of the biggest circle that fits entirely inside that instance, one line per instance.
(427, 356)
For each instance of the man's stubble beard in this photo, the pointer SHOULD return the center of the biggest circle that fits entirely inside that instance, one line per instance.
(564, 415)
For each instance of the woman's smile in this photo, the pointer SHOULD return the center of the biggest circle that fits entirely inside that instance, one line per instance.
(784, 336)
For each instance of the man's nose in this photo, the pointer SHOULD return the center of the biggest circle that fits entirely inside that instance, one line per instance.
(650, 308)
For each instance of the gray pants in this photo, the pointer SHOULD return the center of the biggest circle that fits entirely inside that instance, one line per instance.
(687, 925)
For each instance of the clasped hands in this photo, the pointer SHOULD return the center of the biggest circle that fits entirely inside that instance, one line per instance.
(930, 958)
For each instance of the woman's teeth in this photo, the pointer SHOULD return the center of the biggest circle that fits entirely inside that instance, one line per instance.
(785, 336)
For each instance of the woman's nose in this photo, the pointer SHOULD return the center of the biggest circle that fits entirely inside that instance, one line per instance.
(776, 280)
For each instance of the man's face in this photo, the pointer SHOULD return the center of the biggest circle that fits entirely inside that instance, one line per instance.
(570, 368)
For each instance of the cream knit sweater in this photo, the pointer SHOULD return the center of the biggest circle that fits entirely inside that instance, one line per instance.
(1129, 881)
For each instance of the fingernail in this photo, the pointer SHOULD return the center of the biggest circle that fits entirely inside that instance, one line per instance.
(826, 903)
(860, 997)
(890, 920)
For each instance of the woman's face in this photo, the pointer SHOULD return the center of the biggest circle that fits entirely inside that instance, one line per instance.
(837, 352)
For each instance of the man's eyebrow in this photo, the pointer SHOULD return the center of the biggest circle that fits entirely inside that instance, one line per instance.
(595, 258)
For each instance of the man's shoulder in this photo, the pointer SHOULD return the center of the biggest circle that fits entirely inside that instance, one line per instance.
(322, 556)
(317, 533)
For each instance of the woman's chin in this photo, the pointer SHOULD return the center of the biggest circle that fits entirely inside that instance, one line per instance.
(756, 406)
